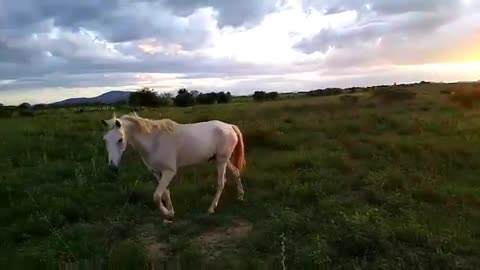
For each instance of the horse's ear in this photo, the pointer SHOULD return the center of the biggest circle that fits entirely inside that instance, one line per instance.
(117, 123)
(104, 122)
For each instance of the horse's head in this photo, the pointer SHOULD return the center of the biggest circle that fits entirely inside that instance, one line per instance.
(115, 141)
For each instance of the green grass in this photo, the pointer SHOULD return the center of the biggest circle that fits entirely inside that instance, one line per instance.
(328, 185)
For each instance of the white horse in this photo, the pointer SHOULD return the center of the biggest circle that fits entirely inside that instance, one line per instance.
(165, 146)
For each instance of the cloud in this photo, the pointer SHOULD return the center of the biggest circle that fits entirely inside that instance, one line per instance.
(113, 22)
(380, 19)
(230, 13)
(127, 20)
(382, 7)
(404, 40)
(395, 33)
(237, 45)
(71, 37)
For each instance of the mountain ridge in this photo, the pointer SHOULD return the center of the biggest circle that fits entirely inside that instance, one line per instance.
(110, 97)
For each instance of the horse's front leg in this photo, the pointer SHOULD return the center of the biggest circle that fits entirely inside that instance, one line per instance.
(168, 201)
(163, 182)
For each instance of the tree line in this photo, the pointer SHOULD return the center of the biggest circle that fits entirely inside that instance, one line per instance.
(149, 98)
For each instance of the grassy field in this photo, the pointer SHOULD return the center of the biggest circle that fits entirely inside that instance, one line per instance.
(329, 185)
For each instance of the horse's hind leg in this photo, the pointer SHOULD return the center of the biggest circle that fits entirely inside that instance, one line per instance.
(221, 170)
(238, 179)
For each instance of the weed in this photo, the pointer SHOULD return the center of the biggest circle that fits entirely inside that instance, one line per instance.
(349, 99)
(388, 96)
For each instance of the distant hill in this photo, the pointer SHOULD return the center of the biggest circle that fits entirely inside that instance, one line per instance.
(106, 98)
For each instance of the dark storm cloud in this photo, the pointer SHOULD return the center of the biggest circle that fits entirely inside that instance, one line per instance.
(117, 21)
(124, 20)
(12, 54)
(231, 13)
(68, 13)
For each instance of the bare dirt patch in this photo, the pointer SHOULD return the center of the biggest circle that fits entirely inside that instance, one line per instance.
(213, 242)
(156, 250)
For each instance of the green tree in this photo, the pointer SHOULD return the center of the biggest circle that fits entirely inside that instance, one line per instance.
(184, 98)
(272, 95)
(207, 98)
(148, 98)
(224, 97)
(259, 96)
(24, 105)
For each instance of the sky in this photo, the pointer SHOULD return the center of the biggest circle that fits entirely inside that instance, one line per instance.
(56, 49)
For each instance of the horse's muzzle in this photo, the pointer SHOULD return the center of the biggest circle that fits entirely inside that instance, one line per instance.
(113, 167)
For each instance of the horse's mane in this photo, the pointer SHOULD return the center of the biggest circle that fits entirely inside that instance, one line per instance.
(148, 126)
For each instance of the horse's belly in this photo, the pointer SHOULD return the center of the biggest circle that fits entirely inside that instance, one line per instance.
(201, 144)
(194, 155)
(194, 152)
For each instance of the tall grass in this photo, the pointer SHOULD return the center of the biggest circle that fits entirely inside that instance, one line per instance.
(328, 186)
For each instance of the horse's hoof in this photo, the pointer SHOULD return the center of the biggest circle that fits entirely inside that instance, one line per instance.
(170, 215)
(211, 211)
(167, 219)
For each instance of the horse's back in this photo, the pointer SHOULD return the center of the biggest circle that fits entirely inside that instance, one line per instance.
(211, 126)
(202, 140)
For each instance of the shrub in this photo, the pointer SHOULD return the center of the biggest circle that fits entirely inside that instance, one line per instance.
(6, 112)
(465, 95)
(325, 92)
(40, 106)
(259, 95)
(28, 113)
(24, 105)
(148, 98)
(390, 95)
(208, 98)
(446, 91)
(349, 99)
(165, 99)
(263, 96)
(272, 95)
(213, 97)
(184, 98)
(224, 97)
(267, 138)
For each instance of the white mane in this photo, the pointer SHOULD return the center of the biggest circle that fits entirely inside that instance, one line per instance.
(147, 126)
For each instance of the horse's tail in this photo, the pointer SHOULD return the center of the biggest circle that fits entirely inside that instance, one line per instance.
(238, 156)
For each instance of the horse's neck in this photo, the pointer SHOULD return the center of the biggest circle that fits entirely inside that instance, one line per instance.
(136, 140)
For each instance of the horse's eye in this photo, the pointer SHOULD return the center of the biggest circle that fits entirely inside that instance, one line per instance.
(120, 140)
